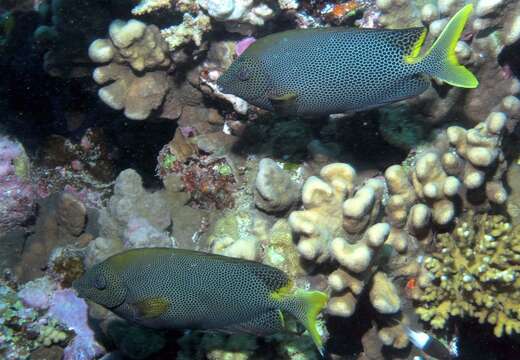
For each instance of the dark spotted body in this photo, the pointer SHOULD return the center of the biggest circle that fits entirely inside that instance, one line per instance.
(318, 65)
(203, 291)
(334, 70)
(198, 284)
(184, 289)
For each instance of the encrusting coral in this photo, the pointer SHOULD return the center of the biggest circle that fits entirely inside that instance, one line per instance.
(275, 191)
(474, 272)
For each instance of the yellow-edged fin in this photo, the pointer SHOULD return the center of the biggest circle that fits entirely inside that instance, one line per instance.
(151, 308)
(412, 57)
(442, 57)
(315, 302)
(283, 292)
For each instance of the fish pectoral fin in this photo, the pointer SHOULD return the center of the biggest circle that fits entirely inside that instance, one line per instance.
(265, 324)
(284, 104)
(150, 308)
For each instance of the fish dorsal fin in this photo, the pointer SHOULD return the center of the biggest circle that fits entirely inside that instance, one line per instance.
(409, 41)
(274, 279)
(284, 104)
(150, 308)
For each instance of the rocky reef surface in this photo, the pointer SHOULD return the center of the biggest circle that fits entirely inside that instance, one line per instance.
(114, 135)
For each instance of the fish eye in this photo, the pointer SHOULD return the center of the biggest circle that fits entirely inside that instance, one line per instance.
(243, 75)
(100, 282)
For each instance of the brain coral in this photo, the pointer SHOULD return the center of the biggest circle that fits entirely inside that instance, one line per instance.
(474, 272)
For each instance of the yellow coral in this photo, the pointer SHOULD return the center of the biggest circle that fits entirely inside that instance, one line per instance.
(476, 273)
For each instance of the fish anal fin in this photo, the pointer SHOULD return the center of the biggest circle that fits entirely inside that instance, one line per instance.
(267, 323)
(284, 104)
(150, 308)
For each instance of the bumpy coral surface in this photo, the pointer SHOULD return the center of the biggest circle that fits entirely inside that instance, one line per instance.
(133, 79)
(17, 193)
(474, 272)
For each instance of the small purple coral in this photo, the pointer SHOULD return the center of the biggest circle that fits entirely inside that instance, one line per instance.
(71, 312)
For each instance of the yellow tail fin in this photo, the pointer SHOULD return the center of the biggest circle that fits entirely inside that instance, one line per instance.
(312, 302)
(440, 60)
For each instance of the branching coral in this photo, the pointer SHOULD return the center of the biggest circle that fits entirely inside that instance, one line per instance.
(192, 28)
(474, 272)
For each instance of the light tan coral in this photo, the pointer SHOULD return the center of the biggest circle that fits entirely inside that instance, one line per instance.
(192, 28)
(148, 6)
(384, 295)
(339, 225)
(462, 165)
(322, 219)
(135, 78)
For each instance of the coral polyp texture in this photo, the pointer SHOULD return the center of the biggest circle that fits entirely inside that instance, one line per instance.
(474, 272)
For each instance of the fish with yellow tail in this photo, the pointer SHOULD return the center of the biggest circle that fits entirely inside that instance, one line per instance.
(334, 70)
(183, 289)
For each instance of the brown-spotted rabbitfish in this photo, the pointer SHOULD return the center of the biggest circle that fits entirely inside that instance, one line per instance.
(334, 70)
(184, 289)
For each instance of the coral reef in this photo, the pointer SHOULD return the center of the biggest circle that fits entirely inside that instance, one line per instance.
(473, 272)
(275, 191)
(64, 220)
(424, 221)
(17, 192)
(192, 28)
(22, 328)
(41, 315)
(135, 52)
(210, 180)
(340, 224)
(133, 217)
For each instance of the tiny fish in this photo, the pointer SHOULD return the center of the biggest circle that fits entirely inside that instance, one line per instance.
(431, 346)
(334, 70)
(183, 289)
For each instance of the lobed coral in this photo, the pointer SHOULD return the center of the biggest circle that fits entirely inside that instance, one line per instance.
(474, 272)
(340, 223)
(133, 79)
